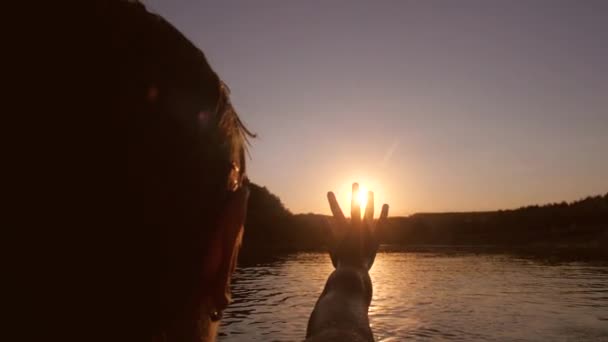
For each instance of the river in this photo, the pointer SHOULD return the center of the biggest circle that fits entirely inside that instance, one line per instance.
(429, 296)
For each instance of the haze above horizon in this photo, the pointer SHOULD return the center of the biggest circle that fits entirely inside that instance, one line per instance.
(435, 106)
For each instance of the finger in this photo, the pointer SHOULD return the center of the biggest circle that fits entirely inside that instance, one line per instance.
(383, 215)
(369, 209)
(332, 240)
(338, 223)
(335, 208)
(375, 242)
(355, 209)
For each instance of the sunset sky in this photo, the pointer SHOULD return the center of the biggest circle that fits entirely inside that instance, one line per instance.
(435, 105)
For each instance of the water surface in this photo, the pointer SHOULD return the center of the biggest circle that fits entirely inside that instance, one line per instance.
(426, 296)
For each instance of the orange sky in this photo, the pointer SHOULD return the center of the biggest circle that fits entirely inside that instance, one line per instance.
(435, 105)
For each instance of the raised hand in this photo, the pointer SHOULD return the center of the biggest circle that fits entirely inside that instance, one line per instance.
(355, 243)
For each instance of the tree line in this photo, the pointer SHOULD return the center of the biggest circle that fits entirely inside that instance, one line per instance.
(270, 226)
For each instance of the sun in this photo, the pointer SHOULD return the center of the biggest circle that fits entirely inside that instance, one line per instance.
(362, 198)
(369, 184)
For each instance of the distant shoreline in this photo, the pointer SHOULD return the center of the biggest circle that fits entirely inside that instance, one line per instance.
(548, 252)
(561, 231)
(545, 253)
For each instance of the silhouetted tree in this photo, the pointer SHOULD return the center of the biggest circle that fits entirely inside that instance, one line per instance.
(271, 227)
(267, 217)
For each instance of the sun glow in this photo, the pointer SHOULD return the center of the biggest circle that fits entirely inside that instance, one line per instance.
(362, 198)
(366, 184)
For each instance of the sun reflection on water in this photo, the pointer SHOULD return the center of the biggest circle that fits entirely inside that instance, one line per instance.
(428, 296)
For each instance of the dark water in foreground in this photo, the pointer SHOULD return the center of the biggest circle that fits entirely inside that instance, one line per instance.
(425, 296)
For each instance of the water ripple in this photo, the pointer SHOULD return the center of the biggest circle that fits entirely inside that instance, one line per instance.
(427, 296)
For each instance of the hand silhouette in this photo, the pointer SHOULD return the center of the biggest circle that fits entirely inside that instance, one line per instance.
(355, 243)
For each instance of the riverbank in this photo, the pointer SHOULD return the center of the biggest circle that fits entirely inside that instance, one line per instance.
(570, 231)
